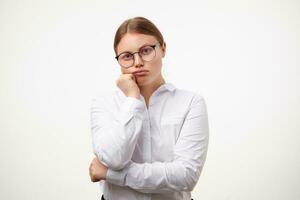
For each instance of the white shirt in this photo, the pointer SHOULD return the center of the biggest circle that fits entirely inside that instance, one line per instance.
(154, 153)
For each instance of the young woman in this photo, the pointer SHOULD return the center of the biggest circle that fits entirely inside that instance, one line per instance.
(149, 137)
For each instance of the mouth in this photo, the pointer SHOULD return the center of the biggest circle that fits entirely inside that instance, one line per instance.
(141, 73)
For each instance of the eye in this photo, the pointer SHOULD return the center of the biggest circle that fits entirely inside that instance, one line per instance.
(146, 50)
(126, 56)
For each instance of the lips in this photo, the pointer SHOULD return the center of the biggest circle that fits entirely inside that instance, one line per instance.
(141, 72)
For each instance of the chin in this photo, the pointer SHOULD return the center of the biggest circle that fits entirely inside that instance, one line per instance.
(143, 82)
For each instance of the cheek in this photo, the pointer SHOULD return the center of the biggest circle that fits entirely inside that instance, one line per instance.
(157, 64)
(125, 71)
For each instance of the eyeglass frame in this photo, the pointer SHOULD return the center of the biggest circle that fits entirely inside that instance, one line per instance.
(132, 53)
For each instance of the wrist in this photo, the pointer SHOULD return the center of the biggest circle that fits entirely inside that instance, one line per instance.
(134, 95)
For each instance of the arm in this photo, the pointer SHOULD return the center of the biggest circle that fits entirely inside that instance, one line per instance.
(184, 171)
(114, 137)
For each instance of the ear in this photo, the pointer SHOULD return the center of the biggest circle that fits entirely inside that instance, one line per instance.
(163, 48)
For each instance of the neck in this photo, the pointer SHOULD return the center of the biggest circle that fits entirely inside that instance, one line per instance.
(147, 90)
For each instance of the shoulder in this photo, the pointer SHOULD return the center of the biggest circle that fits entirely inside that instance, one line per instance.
(185, 100)
(195, 102)
(188, 95)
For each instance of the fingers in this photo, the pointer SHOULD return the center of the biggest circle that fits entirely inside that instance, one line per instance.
(91, 169)
(96, 161)
(134, 77)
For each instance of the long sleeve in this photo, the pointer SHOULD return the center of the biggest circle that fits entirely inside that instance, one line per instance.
(182, 173)
(114, 136)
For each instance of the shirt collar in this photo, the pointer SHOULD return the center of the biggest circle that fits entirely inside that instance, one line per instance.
(169, 86)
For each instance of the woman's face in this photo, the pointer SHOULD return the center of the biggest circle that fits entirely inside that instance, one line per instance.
(132, 42)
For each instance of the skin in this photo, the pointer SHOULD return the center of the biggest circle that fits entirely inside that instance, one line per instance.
(133, 85)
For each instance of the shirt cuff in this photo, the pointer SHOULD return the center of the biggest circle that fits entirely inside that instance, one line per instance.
(116, 177)
(132, 105)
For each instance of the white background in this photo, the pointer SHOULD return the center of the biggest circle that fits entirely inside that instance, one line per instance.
(242, 56)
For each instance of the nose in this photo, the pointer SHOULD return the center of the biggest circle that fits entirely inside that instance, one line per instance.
(138, 62)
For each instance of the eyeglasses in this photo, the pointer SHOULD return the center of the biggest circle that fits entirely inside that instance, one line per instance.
(126, 59)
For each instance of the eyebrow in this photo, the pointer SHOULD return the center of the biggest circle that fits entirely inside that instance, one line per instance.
(146, 44)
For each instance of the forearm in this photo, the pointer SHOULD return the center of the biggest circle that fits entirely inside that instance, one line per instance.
(158, 177)
(114, 137)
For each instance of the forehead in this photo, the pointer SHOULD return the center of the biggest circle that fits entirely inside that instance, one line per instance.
(133, 41)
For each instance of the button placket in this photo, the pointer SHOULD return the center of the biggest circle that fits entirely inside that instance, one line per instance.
(147, 133)
(148, 138)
